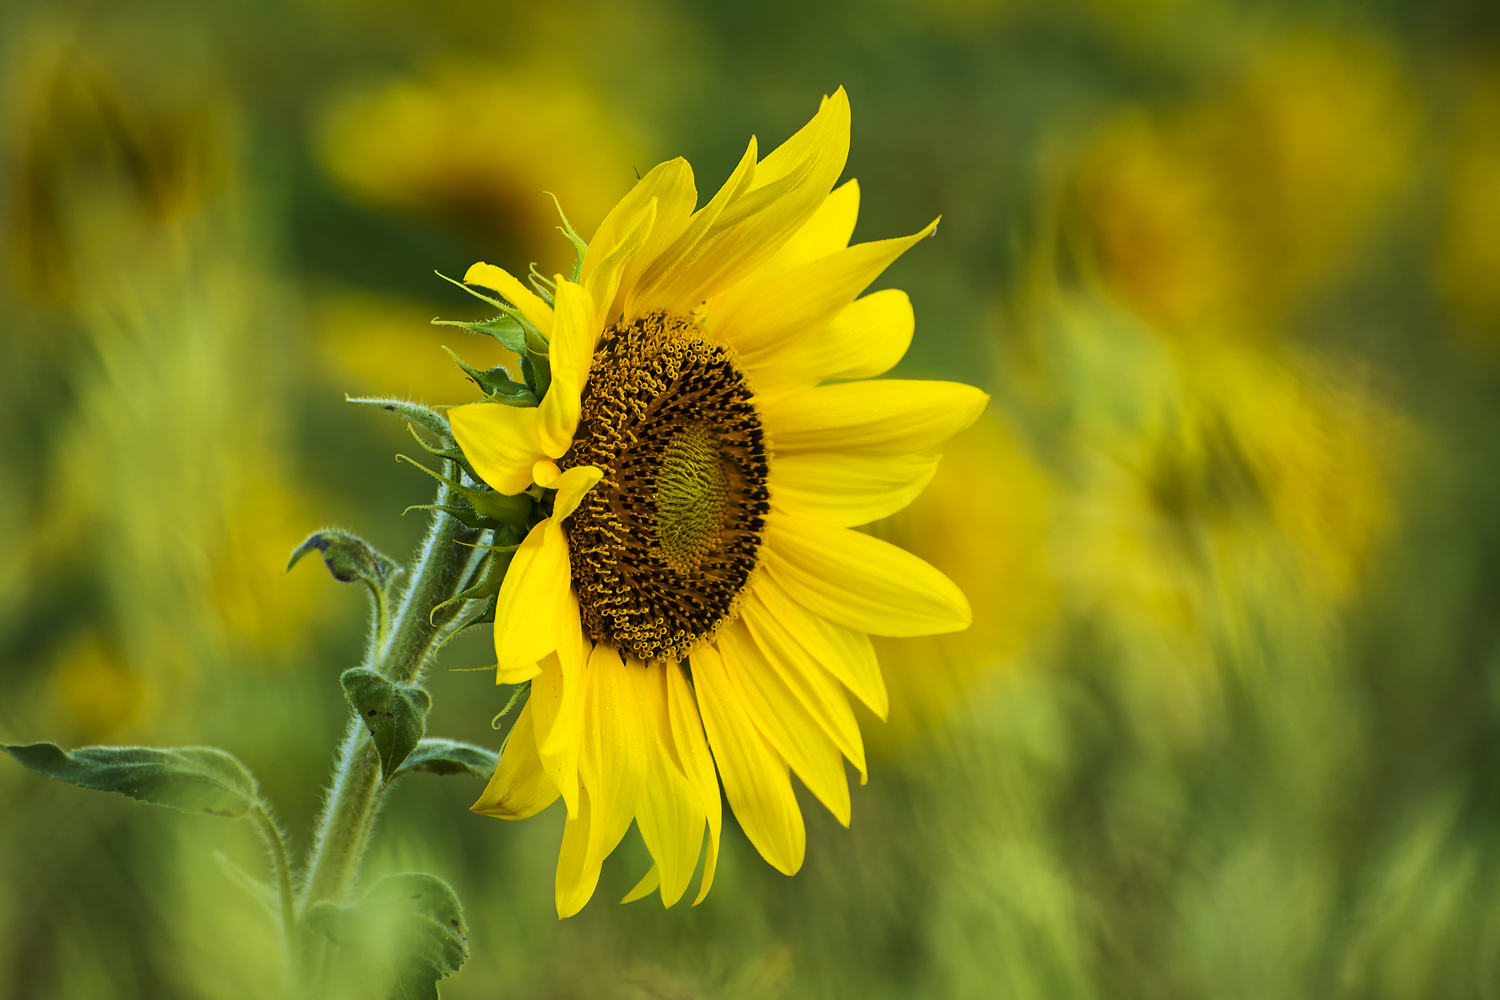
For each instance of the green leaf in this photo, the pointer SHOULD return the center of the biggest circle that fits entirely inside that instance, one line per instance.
(192, 779)
(451, 757)
(395, 714)
(423, 416)
(405, 935)
(497, 383)
(349, 558)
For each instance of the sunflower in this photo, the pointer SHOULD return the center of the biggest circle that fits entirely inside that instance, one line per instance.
(697, 599)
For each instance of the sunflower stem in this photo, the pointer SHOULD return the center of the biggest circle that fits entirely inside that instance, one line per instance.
(400, 654)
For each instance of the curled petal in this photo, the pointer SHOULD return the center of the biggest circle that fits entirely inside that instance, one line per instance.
(520, 787)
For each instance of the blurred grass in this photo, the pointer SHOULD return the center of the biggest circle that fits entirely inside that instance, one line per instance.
(1225, 724)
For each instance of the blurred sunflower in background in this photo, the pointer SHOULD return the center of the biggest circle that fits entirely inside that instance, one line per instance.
(705, 487)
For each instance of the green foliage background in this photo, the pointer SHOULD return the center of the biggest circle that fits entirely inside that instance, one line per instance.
(1227, 722)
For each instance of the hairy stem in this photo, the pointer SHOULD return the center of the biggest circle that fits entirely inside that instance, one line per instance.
(400, 654)
(265, 823)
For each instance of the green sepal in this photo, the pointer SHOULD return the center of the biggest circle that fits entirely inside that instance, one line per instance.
(543, 285)
(537, 371)
(451, 757)
(496, 383)
(426, 417)
(192, 779)
(485, 616)
(394, 714)
(405, 935)
(533, 343)
(507, 331)
(492, 573)
(579, 246)
(466, 516)
(453, 454)
(505, 509)
(522, 690)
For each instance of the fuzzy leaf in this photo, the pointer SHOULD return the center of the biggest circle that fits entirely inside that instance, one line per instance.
(451, 757)
(192, 779)
(405, 935)
(395, 714)
(349, 558)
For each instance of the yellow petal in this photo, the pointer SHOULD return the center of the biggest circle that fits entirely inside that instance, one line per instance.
(801, 302)
(519, 787)
(612, 764)
(604, 284)
(573, 650)
(645, 887)
(671, 185)
(670, 815)
(530, 305)
(572, 486)
(577, 876)
(571, 354)
(881, 417)
(691, 748)
(847, 654)
(647, 292)
(786, 189)
(826, 136)
(862, 582)
(866, 338)
(554, 704)
(848, 490)
(501, 442)
(531, 610)
(784, 721)
(755, 776)
(828, 230)
(816, 689)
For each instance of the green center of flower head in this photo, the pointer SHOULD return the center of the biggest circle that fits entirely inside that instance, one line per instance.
(692, 491)
(662, 548)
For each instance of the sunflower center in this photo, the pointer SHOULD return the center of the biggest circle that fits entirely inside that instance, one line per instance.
(663, 547)
(692, 490)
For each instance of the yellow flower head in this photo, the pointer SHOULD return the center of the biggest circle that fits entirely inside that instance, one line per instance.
(698, 598)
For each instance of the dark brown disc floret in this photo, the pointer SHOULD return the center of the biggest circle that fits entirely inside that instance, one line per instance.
(663, 547)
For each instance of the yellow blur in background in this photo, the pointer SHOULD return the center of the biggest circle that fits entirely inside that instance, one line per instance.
(1224, 723)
